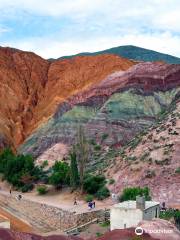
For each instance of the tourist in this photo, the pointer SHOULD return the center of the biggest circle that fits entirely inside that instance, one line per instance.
(90, 205)
(10, 191)
(94, 204)
(19, 197)
(75, 201)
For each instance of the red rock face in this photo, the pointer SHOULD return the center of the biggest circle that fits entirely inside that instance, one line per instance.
(22, 79)
(31, 87)
(146, 76)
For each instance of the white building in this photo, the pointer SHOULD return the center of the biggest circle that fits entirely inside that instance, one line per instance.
(129, 213)
(4, 222)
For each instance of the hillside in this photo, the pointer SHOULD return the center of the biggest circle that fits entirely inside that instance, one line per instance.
(152, 159)
(112, 111)
(115, 99)
(31, 87)
(134, 53)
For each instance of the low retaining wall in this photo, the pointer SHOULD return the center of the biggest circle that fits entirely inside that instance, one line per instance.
(45, 217)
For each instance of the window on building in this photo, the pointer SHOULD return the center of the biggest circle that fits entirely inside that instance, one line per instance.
(156, 213)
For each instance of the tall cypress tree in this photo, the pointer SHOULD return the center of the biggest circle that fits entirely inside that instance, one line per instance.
(74, 177)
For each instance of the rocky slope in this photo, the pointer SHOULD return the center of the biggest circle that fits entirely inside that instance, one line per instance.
(152, 159)
(31, 87)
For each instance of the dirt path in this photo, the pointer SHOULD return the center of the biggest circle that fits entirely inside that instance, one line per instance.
(16, 223)
(63, 199)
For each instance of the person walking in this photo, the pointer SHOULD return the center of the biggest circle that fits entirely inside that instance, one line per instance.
(75, 201)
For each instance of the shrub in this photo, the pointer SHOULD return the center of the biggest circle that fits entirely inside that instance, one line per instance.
(98, 234)
(60, 175)
(102, 193)
(44, 164)
(177, 170)
(150, 174)
(111, 181)
(131, 193)
(105, 224)
(131, 158)
(134, 143)
(97, 147)
(89, 198)
(19, 170)
(144, 156)
(170, 213)
(92, 183)
(104, 136)
(42, 190)
(165, 161)
(27, 187)
(92, 142)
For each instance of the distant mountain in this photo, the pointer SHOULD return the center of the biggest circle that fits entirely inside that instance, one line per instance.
(134, 53)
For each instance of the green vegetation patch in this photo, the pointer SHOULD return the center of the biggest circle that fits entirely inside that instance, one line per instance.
(132, 193)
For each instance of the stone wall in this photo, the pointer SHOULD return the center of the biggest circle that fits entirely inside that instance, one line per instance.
(45, 217)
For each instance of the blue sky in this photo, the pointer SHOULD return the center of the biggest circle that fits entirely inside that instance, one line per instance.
(53, 28)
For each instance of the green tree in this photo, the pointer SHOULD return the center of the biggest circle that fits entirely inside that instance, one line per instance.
(82, 151)
(74, 173)
(60, 174)
(19, 170)
(93, 183)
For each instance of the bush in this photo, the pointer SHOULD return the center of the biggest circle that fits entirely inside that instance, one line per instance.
(170, 213)
(111, 181)
(19, 170)
(150, 174)
(27, 187)
(105, 224)
(89, 198)
(97, 147)
(144, 156)
(93, 183)
(165, 161)
(102, 193)
(92, 142)
(177, 170)
(134, 142)
(131, 193)
(42, 190)
(44, 164)
(60, 175)
(104, 136)
(98, 234)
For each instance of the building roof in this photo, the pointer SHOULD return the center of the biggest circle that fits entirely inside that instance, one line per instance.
(3, 219)
(132, 204)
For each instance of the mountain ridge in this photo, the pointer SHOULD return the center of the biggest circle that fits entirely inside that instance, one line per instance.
(131, 52)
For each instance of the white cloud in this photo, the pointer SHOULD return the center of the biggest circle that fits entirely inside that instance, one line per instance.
(49, 48)
(52, 7)
(3, 29)
(169, 20)
(99, 24)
